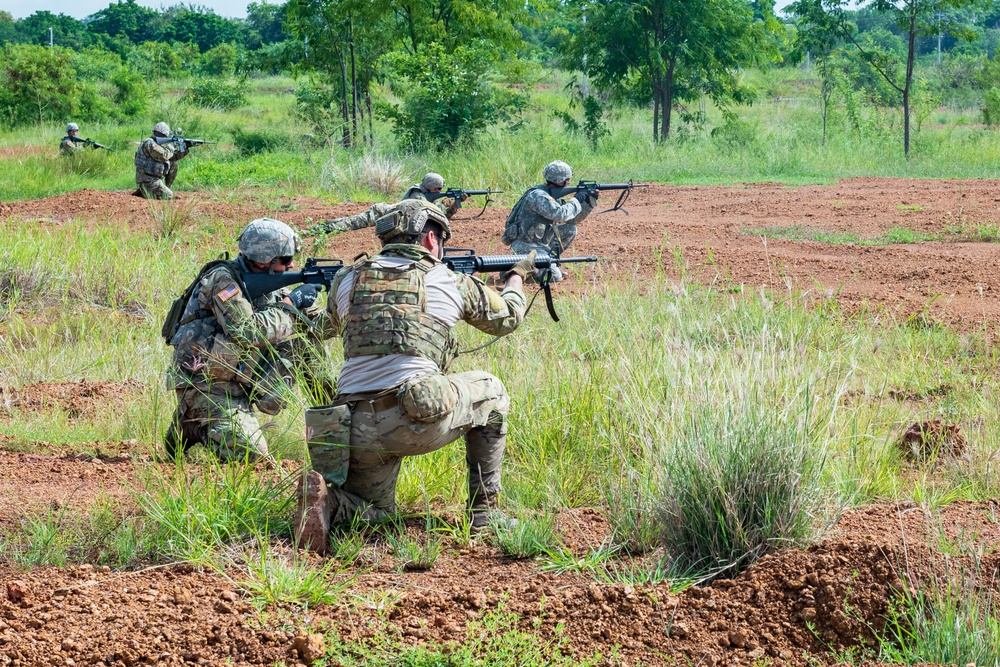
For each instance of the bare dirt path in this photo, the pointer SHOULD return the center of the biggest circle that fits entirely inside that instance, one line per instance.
(707, 225)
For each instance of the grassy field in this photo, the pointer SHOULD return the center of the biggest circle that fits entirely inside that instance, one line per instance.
(665, 403)
(778, 139)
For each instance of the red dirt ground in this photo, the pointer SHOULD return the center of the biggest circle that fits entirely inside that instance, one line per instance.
(705, 223)
(798, 607)
(793, 608)
(77, 399)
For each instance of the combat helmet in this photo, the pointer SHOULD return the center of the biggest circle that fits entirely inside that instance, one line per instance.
(408, 219)
(432, 181)
(557, 172)
(162, 128)
(266, 239)
(72, 127)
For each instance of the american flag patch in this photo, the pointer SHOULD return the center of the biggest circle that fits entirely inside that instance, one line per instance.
(228, 293)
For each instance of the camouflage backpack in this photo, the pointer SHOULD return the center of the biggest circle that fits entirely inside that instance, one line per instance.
(512, 228)
(175, 314)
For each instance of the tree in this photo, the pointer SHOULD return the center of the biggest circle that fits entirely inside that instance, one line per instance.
(127, 19)
(203, 27)
(264, 22)
(915, 18)
(674, 50)
(37, 84)
(66, 30)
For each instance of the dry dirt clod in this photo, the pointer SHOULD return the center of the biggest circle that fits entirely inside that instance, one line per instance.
(310, 647)
(18, 592)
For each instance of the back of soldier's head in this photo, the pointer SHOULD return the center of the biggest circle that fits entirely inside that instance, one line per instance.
(409, 220)
(266, 239)
(557, 172)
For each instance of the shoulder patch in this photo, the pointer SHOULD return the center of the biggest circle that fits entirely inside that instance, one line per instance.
(228, 293)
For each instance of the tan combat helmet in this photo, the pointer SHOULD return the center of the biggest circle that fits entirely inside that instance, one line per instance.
(408, 219)
(557, 172)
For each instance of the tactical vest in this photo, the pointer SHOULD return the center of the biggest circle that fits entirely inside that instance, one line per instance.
(148, 165)
(512, 228)
(388, 311)
(414, 193)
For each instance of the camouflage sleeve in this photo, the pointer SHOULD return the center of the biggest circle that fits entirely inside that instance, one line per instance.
(246, 327)
(329, 322)
(350, 223)
(488, 311)
(448, 206)
(540, 202)
(155, 151)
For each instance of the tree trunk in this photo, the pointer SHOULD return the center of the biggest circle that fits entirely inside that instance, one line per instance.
(368, 103)
(656, 114)
(354, 86)
(910, 57)
(668, 101)
(344, 111)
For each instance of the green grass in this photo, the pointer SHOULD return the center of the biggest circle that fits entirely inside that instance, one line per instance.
(890, 237)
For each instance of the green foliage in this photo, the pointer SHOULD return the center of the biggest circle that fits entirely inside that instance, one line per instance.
(252, 142)
(218, 93)
(414, 554)
(317, 105)
(956, 625)
(531, 535)
(593, 121)
(154, 60)
(991, 107)
(447, 96)
(279, 579)
(219, 60)
(127, 19)
(37, 85)
(132, 92)
(96, 63)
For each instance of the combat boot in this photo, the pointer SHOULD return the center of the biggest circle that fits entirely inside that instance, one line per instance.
(316, 505)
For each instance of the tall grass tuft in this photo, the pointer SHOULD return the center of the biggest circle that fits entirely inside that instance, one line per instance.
(277, 578)
(742, 481)
(171, 217)
(951, 626)
(371, 173)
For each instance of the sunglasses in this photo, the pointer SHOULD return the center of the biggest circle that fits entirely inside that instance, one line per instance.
(287, 259)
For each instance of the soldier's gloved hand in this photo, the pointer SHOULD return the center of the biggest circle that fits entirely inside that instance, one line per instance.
(592, 197)
(524, 268)
(304, 296)
(465, 195)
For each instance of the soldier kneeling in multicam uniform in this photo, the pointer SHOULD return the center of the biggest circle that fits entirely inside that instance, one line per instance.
(232, 353)
(156, 165)
(396, 313)
(540, 223)
(431, 183)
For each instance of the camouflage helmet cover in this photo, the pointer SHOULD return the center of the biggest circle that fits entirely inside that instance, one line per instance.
(265, 239)
(557, 172)
(409, 219)
(432, 181)
(162, 128)
(72, 127)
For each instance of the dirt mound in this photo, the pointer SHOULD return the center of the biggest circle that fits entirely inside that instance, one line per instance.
(77, 399)
(925, 440)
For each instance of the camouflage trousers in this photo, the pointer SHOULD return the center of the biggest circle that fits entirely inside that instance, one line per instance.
(157, 188)
(220, 421)
(382, 433)
(561, 238)
(350, 223)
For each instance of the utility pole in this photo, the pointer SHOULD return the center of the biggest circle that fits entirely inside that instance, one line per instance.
(50, 37)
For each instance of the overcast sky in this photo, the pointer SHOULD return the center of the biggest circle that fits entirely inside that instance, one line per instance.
(82, 8)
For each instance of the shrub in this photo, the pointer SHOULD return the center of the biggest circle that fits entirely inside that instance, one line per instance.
(741, 482)
(132, 93)
(447, 97)
(37, 84)
(991, 107)
(252, 142)
(218, 93)
(370, 173)
(154, 59)
(219, 60)
(317, 105)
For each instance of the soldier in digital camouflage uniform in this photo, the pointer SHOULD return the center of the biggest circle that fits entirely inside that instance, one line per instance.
(232, 354)
(541, 223)
(431, 183)
(396, 313)
(67, 146)
(156, 165)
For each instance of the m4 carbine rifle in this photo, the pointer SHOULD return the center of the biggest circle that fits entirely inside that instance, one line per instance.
(182, 143)
(88, 142)
(465, 260)
(590, 186)
(458, 194)
(315, 272)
